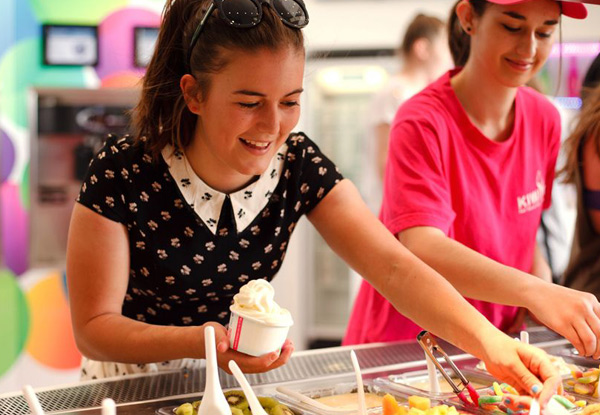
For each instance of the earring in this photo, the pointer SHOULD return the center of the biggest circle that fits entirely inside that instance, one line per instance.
(468, 29)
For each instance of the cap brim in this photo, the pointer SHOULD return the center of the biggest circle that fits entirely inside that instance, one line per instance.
(573, 9)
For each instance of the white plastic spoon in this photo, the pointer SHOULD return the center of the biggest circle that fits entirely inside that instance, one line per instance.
(555, 408)
(255, 406)
(109, 407)
(362, 406)
(32, 400)
(534, 408)
(213, 401)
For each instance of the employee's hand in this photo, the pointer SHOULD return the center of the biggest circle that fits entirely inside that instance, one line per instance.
(571, 313)
(523, 366)
(247, 363)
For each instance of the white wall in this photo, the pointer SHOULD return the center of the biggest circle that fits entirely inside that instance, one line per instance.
(343, 24)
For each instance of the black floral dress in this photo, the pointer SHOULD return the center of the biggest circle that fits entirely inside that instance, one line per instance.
(192, 247)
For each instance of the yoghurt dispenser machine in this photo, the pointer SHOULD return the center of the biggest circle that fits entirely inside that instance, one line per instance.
(67, 127)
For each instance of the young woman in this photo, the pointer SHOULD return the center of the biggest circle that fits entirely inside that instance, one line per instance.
(469, 171)
(170, 223)
(583, 169)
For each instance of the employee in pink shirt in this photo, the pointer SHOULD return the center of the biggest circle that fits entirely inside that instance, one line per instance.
(469, 171)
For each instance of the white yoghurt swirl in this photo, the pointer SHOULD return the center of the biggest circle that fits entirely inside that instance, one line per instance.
(255, 300)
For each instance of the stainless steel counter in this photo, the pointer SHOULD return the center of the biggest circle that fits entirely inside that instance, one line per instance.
(144, 394)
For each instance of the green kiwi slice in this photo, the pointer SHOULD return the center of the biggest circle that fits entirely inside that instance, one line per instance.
(185, 409)
(236, 411)
(236, 399)
(267, 402)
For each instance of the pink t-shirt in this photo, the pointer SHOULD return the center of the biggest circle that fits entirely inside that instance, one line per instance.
(443, 172)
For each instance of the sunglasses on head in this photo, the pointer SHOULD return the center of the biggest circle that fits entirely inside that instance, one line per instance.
(248, 13)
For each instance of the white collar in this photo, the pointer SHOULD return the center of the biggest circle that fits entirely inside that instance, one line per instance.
(207, 202)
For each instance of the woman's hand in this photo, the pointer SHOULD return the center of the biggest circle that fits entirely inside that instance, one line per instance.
(247, 363)
(571, 313)
(523, 366)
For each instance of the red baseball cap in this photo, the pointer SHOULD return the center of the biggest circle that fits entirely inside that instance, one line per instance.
(569, 8)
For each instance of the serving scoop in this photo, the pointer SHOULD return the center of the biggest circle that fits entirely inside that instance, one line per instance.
(362, 406)
(32, 400)
(255, 406)
(213, 401)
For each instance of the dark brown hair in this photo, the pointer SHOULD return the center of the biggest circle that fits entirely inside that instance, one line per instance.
(458, 40)
(588, 128)
(592, 77)
(421, 27)
(161, 116)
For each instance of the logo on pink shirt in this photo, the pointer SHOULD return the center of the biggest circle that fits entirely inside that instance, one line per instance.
(534, 199)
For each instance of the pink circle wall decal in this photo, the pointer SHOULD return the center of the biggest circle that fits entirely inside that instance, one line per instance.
(14, 229)
(116, 40)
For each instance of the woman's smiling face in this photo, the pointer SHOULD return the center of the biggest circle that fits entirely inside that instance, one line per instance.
(512, 42)
(251, 107)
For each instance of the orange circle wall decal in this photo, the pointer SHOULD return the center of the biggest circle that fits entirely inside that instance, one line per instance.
(51, 340)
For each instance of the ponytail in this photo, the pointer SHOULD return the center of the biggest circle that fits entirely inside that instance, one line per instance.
(421, 27)
(161, 116)
(458, 40)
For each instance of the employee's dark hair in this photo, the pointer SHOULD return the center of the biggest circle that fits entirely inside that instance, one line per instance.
(592, 78)
(458, 39)
(161, 116)
(421, 27)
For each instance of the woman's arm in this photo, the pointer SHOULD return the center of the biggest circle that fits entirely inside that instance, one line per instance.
(571, 313)
(591, 177)
(419, 292)
(540, 269)
(97, 276)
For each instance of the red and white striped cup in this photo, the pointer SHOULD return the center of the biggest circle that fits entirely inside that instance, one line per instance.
(254, 337)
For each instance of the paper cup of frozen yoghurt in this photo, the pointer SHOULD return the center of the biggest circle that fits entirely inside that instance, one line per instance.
(257, 324)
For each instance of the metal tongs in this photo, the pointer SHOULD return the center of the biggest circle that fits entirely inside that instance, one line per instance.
(430, 346)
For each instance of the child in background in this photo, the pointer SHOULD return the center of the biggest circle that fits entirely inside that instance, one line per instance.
(425, 57)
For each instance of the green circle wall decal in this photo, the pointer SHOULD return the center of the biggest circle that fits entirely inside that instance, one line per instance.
(21, 68)
(74, 11)
(14, 324)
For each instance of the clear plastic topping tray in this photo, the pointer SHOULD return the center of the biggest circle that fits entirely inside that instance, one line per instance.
(417, 383)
